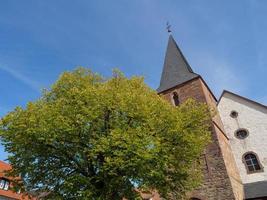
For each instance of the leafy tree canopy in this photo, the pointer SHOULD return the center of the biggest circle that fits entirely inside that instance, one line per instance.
(90, 137)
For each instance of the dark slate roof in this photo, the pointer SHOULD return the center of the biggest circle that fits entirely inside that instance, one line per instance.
(256, 189)
(176, 69)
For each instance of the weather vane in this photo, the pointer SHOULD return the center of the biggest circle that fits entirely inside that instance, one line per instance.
(168, 27)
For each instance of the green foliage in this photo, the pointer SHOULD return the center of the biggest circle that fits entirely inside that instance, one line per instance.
(94, 138)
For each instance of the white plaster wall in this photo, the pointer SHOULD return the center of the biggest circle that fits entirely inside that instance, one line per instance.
(253, 118)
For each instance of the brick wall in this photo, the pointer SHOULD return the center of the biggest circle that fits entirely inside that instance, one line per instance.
(221, 177)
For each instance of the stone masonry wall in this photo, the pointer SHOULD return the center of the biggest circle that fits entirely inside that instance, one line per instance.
(224, 142)
(221, 178)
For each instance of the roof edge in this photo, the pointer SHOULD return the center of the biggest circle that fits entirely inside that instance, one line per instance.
(241, 97)
(159, 92)
(162, 90)
(198, 76)
(183, 57)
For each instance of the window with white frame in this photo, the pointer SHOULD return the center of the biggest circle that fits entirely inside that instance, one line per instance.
(4, 184)
(252, 163)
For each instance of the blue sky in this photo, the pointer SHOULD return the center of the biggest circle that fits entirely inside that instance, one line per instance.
(224, 41)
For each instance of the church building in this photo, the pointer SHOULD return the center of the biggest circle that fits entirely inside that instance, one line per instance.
(245, 122)
(235, 159)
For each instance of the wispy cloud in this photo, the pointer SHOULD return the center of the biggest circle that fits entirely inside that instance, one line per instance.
(220, 75)
(21, 77)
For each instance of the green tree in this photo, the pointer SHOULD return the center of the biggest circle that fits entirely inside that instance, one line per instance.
(93, 138)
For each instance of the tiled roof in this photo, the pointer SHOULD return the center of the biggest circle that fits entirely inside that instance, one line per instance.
(9, 193)
(4, 167)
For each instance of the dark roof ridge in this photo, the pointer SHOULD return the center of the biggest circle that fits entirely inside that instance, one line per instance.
(242, 97)
(198, 76)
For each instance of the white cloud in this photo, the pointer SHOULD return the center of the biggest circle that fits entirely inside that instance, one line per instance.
(19, 76)
(220, 75)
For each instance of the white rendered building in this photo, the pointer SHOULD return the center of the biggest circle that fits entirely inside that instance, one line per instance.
(245, 123)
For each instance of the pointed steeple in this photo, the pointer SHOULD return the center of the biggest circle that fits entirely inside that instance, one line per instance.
(176, 69)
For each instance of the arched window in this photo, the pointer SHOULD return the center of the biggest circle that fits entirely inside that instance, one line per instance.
(252, 162)
(175, 98)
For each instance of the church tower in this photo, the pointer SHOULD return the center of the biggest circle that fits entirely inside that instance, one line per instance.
(178, 83)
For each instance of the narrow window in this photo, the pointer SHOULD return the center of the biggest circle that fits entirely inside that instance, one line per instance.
(175, 98)
(252, 163)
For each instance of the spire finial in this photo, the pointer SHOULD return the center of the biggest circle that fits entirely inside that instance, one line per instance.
(168, 27)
